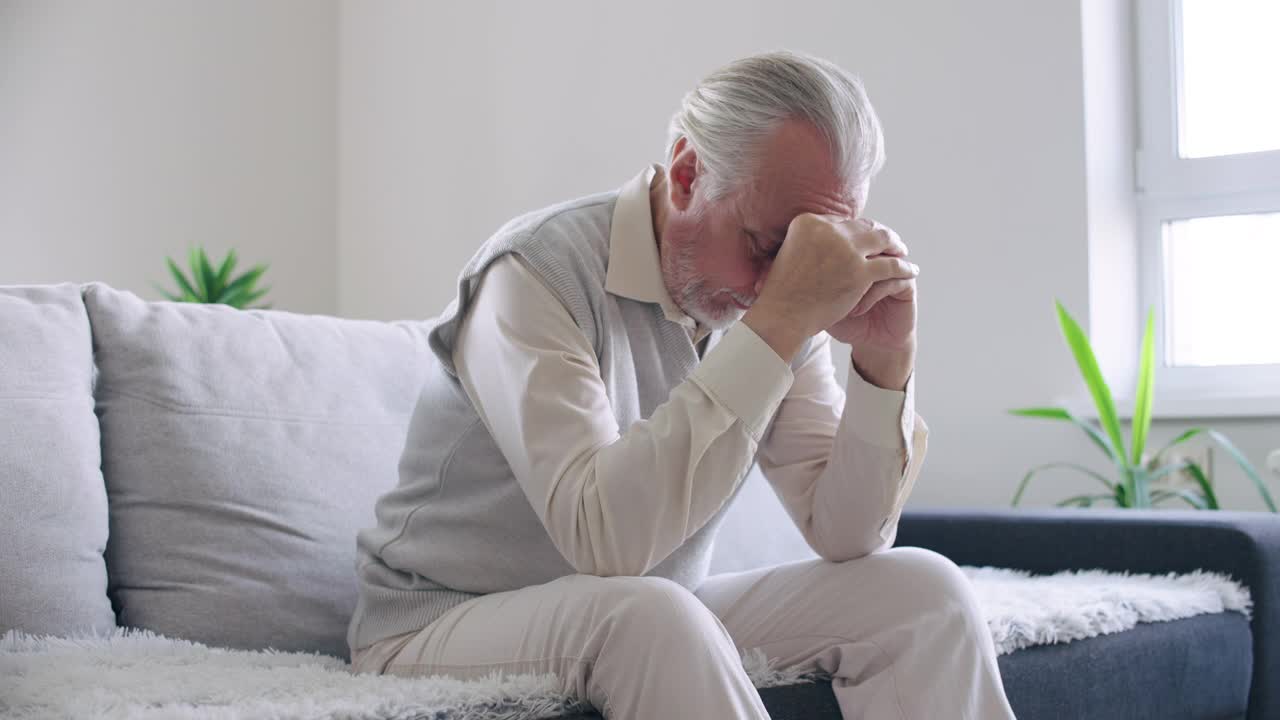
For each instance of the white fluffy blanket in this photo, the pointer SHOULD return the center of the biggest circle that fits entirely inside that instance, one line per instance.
(1024, 610)
(135, 674)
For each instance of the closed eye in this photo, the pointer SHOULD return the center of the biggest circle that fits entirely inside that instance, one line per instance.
(758, 249)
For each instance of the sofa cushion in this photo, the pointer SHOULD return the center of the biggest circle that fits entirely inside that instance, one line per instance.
(53, 508)
(1197, 667)
(242, 451)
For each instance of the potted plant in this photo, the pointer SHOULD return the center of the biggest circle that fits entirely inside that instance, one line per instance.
(1138, 480)
(207, 285)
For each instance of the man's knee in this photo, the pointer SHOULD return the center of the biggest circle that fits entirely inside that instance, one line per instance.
(658, 607)
(927, 580)
(931, 570)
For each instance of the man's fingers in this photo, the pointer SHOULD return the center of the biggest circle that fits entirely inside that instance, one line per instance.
(888, 267)
(895, 244)
(877, 239)
(900, 289)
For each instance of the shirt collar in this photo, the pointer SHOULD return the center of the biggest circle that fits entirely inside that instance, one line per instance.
(634, 270)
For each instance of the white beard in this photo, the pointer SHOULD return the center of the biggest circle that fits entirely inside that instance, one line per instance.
(696, 300)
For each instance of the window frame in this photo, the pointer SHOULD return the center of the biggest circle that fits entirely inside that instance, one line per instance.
(1170, 187)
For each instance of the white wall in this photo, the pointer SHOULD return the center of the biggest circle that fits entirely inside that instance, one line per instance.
(130, 131)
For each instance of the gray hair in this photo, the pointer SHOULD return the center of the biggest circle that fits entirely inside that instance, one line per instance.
(732, 110)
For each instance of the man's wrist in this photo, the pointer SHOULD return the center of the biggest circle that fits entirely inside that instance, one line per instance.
(744, 375)
(785, 337)
(888, 369)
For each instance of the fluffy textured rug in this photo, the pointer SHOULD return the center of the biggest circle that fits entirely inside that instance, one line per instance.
(1024, 610)
(135, 674)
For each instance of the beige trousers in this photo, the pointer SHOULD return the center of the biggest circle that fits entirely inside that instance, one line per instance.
(899, 632)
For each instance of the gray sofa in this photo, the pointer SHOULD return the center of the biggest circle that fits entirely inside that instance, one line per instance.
(201, 472)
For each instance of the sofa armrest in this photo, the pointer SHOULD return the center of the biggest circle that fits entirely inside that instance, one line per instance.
(1243, 545)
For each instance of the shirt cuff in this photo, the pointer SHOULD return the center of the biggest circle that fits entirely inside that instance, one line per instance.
(882, 417)
(745, 376)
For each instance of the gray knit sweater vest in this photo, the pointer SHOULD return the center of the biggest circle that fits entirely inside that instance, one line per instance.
(458, 525)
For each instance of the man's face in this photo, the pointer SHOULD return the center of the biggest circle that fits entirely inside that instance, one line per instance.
(717, 254)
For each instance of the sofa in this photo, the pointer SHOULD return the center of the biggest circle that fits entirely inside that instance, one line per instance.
(201, 472)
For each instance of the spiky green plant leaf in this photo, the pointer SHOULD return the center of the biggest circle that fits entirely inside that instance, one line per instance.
(1026, 479)
(1139, 493)
(1185, 495)
(224, 272)
(1061, 414)
(184, 287)
(1206, 489)
(1245, 465)
(1145, 396)
(245, 281)
(1083, 501)
(1122, 495)
(1155, 459)
(208, 278)
(1098, 388)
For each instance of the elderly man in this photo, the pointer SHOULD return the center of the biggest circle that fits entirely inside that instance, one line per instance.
(608, 373)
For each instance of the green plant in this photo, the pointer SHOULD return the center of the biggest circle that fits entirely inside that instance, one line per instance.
(1140, 483)
(207, 285)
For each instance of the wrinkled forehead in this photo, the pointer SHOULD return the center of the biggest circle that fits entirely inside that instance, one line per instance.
(795, 172)
(770, 202)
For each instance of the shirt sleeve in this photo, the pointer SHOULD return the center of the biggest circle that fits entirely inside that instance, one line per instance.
(843, 467)
(614, 501)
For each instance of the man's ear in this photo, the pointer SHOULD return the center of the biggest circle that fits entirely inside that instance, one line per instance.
(682, 174)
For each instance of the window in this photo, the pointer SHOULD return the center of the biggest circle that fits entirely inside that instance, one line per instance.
(1208, 175)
